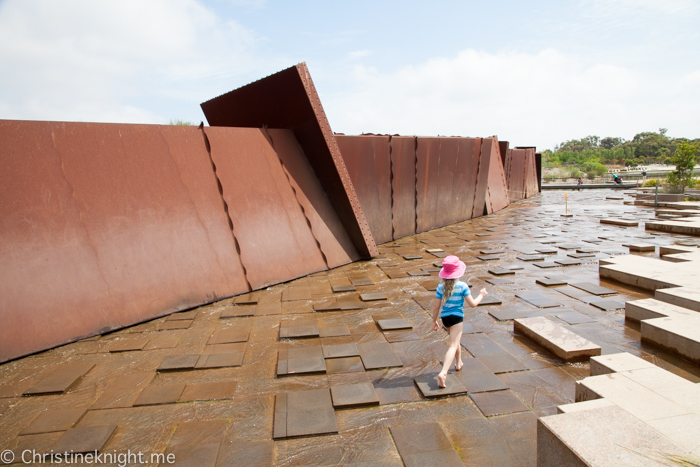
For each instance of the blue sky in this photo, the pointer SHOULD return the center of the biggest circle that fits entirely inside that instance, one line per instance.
(533, 73)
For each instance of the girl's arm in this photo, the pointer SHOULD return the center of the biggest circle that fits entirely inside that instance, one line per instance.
(436, 313)
(474, 302)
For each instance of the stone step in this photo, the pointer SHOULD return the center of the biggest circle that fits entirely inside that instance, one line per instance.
(616, 363)
(687, 297)
(650, 308)
(620, 222)
(677, 335)
(559, 340)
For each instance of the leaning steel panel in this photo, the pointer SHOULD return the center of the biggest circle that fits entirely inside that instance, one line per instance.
(497, 187)
(368, 161)
(482, 179)
(465, 176)
(288, 100)
(516, 174)
(105, 226)
(403, 185)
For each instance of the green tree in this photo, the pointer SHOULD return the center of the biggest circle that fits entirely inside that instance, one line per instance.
(684, 158)
(181, 122)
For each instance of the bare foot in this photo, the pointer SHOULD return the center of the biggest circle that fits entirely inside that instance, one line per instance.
(441, 380)
(459, 365)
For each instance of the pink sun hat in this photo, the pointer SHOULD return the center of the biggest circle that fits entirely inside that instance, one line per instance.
(452, 268)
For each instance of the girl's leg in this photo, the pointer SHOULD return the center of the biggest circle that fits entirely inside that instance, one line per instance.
(459, 364)
(455, 337)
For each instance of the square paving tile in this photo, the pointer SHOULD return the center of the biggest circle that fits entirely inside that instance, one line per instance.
(538, 300)
(361, 280)
(343, 288)
(351, 303)
(501, 271)
(197, 443)
(412, 257)
(60, 379)
(401, 336)
(419, 273)
(490, 257)
(296, 293)
(209, 391)
(530, 257)
(430, 285)
(354, 395)
(85, 439)
(304, 413)
(509, 313)
(568, 262)
(298, 328)
(178, 362)
(344, 365)
(128, 345)
(396, 274)
(300, 361)
(498, 403)
(568, 246)
(593, 288)
(266, 309)
(220, 360)
(183, 315)
(237, 312)
(369, 297)
(550, 282)
(476, 377)
(588, 250)
(490, 299)
(160, 394)
(329, 305)
(498, 281)
(53, 420)
(247, 299)
(174, 325)
(379, 355)
(333, 331)
(581, 255)
(606, 304)
(393, 324)
(229, 336)
(547, 250)
(573, 317)
(164, 342)
(428, 385)
(492, 252)
(340, 350)
(546, 265)
(425, 444)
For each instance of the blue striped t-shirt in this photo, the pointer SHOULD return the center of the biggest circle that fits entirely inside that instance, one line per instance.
(454, 306)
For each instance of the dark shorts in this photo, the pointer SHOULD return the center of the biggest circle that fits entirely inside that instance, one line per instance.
(449, 321)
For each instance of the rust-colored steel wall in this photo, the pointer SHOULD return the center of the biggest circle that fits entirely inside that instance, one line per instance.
(105, 226)
(368, 161)
(482, 178)
(497, 186)
(403, 185)
(531, 186)
(288, 100)
(521, 173)
(427, 167)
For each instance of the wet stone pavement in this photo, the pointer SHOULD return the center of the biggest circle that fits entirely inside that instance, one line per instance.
(338, 368)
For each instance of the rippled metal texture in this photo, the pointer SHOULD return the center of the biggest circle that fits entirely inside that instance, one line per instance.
(288, 100)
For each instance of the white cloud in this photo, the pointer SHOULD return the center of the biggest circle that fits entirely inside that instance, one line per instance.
(540, 99)
(95, 61)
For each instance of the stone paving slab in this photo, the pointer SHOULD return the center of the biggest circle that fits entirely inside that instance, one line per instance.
(333, 331)
(351, 303)
(510, 313)
(501, 271)
(620, 222)
(354, 395)
(593, 288)
(300, 361)
(340, 350)
(530, 257)
(428, 385)
(490, 300)
(86, 439)
(197, 443)
(498, 281)
(183, 315)
(607, 304)
(160, 394)
(247, 299)
(229, 336)
(393, 324)
(490, 257)
(418, 273)
(476, 377)
(60, 380)
(540, 301)
(343, 288)
(640, 246)
(220, 360)
(498, 403)
(400, 336)
(296, 293)
(209, 391)
(559, 340)
(568, 262)
(574, 317)
(379, 355)
(53, 420)
(492, 252)
(547, 265)
(128, 345)
(369, 297)
(550, 282)
(329, 305)
(164, 342)
(237, 312)
(178, 362)
(344, 365)
(492, 355)
(175, 325)
(124, 391)
(304, 413)
(298, 328)
(425, 444)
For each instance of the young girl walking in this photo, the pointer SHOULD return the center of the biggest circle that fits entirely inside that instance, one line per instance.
(450, 297)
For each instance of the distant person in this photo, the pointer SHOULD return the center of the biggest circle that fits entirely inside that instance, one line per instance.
(644, 174)
(580, 181)
(450, 297)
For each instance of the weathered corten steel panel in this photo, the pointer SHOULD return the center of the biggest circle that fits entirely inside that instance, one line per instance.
(517, 163)
(482, 178)
(427, 173)
(275, 241)
(465, 176)
(531, 185)
(105, 226)
(288, 100)
(503, 148)
(497, 187)
(326, 227)
(538, 164)
(446, 203)
(403, 185)
(368, 162)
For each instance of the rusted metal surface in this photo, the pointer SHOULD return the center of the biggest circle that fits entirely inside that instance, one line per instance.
(503, 148)
(531, 178)
(403, 185)
(538, 165)
(276, 244)
(427, 173)
(105, 226)
(497, 186)
(482, 179)
(288, 100)
(368, 161)
(516, 163)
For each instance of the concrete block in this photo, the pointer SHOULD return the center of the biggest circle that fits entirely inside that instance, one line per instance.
(678, 336)
(650, 308)
(616, 363)
(563, 343)
(620, 222)
(606, 436)
(585, 405)
(687, 297)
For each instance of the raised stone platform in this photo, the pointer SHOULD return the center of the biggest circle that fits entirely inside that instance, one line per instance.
(652, 273)
(631, 413)
(563, 343)
(688, 226)
(687, 297)
(620, 222)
